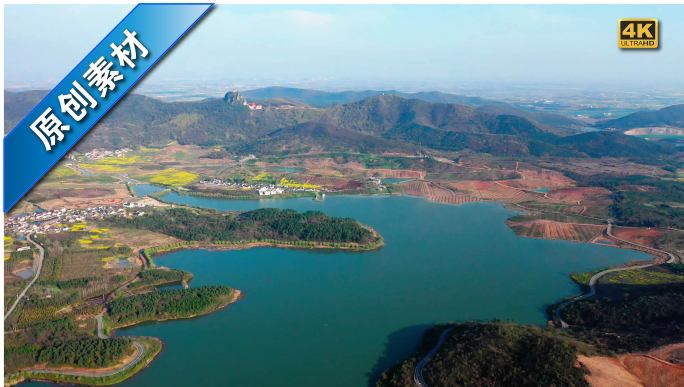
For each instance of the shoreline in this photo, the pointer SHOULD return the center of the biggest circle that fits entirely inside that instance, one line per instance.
(151, 252)
(148, 350)
(236, 295)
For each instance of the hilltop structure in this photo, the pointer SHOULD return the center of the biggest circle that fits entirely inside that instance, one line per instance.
(234, 98)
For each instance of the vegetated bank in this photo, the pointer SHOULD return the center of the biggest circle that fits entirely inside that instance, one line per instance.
(161, 305)
(57, 350)
(263, 227)
(118, 365)
(633, 311)
(492, 354)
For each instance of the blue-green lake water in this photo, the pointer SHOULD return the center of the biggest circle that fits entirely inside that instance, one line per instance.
(321, 318)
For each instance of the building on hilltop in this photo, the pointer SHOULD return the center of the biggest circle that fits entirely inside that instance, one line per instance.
(234, 98)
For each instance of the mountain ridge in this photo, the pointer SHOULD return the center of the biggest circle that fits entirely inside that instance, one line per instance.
(670, 116)
(378, 123)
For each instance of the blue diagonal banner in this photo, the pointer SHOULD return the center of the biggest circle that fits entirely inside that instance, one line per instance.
(90, 90)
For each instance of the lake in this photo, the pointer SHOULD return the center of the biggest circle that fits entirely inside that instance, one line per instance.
(314, 318)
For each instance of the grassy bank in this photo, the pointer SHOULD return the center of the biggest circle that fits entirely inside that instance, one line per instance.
(152, 347)
(151, 252)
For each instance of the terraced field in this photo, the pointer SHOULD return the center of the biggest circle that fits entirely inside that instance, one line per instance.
(436, 193)
(398, 173)
(557, 230)
(487, 190)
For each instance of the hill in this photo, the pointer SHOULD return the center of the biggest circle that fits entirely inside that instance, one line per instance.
(392, 123)
(614, 144)
(494, 354)
(143, 120)
(554, 123)
(562, 125)
(321, 99)
(380, 123)
(672, 116)
(319, 136)
(19, 104)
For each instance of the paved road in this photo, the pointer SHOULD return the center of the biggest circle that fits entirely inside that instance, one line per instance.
(594, 279)
(37, 267)
(670, 257)
(139, 349)
(100, 326)
(418, 371)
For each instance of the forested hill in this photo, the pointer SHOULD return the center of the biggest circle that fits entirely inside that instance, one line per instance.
(147, 121)
(327, 99)
(379, 123)
(263, 224)
(493, 354)
(388, 123)
(324, 99)
(671, 116)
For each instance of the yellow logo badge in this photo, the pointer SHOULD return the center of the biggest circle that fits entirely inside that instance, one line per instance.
(638, 33)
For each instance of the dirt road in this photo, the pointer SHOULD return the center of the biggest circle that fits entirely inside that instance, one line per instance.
(37, 267)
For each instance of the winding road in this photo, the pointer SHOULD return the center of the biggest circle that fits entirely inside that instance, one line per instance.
(594, 279)
(418, 378)
(418, 371)
(37, 267)
(139, 352)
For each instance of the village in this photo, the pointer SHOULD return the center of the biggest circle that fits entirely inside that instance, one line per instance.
(263, 189)
(57, 221)
(99, 154)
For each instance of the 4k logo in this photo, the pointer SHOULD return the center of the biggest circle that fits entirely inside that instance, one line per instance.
(638, 33)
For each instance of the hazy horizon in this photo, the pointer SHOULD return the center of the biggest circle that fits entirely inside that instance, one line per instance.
(451, 48)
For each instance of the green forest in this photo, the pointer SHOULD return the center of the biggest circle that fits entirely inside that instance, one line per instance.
(493, 354)
(167, 304)
(85, 352)
(627, 318)
(151, 277)
(269, 223)
(641, 201)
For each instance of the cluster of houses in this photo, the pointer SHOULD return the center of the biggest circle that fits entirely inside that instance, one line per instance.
(270, 190)
(56, 221)
(254, 106)
(377, 182)
(262, 189)
(99, 154)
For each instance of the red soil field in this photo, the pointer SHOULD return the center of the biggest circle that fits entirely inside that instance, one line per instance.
(435, 193)
(548, 229)
(533, 179)
(642, 236)
(331, 182)
(578, 194)
(488, 190)
(398, 173)
(652, 369)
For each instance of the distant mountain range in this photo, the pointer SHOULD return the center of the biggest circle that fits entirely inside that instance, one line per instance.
(324, 99)
(385, 121)
(319, 98)
(671, 116)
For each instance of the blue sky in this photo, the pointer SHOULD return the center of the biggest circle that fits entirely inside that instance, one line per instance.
(410, 47)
